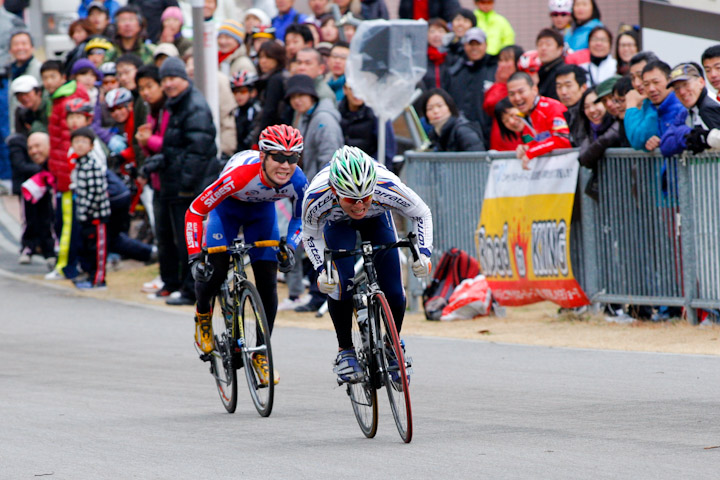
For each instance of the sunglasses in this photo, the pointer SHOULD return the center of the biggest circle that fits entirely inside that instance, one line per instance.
(353, 201)
(559, 14)
(282, 158)
(115, 109)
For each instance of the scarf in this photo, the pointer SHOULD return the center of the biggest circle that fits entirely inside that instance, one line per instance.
(223, 56)
(17, 70)
(436, 56)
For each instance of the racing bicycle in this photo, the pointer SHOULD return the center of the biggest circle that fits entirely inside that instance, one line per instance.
(241, 332)
(379, 350)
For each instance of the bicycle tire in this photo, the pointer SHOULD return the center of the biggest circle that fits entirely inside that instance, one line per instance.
(363, 395)
(221, 359)
(398, 391)
(254, 336)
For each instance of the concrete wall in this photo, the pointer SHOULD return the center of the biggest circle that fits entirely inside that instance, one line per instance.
(528, 17)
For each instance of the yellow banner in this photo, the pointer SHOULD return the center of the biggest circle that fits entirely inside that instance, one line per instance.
(523, 237)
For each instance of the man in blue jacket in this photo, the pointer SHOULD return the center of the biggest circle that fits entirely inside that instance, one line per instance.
(640, 118)
(663, 101)
(695, 127)
(286, 16)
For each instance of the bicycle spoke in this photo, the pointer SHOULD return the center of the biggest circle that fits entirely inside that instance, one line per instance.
(363, 395)
(255, 339)
(394, 370)
(221, 360)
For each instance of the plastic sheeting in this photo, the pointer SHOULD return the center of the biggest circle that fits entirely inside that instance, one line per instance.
(387, 60)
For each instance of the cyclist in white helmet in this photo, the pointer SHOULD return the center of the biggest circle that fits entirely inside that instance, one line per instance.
(561, 15)
(355, 194)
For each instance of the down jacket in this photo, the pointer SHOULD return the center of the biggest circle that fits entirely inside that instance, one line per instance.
(322, 135)
(189, 149)
(59, 133)
(705, 113)
(458, 135)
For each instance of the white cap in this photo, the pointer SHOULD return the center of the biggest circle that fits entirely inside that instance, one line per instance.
(260, 14)
(24, 84)
(166, 49)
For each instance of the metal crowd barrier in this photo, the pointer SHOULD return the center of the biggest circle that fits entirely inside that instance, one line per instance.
(652, 236)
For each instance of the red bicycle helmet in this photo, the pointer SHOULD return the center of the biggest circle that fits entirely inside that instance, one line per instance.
(529, 62)
(282, 138)
(79, 105)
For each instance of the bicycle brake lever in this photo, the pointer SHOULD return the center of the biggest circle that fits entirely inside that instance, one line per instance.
(328, 267)
(413, 246)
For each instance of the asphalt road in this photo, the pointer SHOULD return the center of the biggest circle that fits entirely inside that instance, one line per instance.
(92, 390)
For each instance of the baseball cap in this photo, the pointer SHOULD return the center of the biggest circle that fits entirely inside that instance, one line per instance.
(475, 34)
(684, 71)
(97, 4)
(24, 84)
(605, 87)
(166, 49)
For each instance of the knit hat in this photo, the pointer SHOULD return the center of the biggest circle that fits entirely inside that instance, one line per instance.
(83, 132)
(234, 29)
(84, 63)
(300, 84)
(173, 67)
(166, 49)
(172, 12)
(260, 14)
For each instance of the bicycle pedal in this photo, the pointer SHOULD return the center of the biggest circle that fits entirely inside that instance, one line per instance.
(205, 357)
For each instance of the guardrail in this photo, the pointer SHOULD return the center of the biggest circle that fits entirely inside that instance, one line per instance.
(652, 237)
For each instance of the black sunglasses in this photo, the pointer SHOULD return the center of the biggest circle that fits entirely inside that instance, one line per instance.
(281, 158)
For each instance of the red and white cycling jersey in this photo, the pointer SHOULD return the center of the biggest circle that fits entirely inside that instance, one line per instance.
(243, 179)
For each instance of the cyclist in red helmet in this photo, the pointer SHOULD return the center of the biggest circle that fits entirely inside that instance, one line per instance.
(244, 196)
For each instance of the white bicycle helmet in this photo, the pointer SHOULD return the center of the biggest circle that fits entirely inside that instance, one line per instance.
(561, 6)
(352, 173)
(118, 96)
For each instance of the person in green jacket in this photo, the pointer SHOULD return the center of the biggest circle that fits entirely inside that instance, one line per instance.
(130, 37)
(497, 29)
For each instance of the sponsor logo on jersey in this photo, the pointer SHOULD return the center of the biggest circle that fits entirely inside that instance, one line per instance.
(209, 198)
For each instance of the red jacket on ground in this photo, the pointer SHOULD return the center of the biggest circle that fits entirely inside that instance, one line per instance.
(59, 164)
(547, 126)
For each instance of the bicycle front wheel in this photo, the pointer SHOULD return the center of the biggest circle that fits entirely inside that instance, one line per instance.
(394, 371)
(363, 395)
(255, 339)
(221, 359)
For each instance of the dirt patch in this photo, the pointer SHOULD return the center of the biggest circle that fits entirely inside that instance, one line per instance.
(537, 324)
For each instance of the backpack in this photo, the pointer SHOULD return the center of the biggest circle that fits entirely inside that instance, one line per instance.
(454, 267)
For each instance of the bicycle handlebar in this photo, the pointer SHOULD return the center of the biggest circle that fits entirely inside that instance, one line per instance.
(243, 246)
(410, 241)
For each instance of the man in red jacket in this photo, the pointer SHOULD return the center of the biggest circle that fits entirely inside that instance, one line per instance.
(544, 119)
(66, 227)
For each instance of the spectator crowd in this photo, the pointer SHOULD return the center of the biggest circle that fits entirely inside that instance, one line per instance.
(117, 130)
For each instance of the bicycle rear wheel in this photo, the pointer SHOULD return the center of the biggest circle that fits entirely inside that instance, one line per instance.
(396, 380)
(363, 395)
(255, 340)
(221, 359)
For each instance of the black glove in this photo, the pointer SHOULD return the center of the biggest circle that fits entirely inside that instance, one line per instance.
(696, 140)
(152, 164)
(285, 256)
(201, 271)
